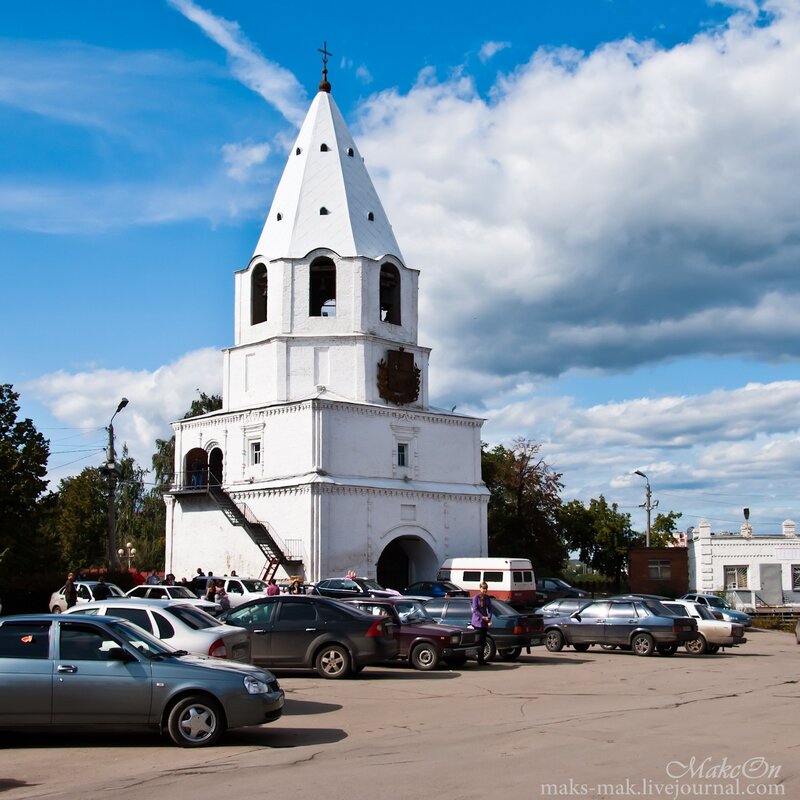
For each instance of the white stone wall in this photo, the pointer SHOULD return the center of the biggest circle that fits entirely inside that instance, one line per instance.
(710, 554)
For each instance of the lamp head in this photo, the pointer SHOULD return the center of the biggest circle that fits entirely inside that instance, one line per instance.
(639, 472)
(122, 404)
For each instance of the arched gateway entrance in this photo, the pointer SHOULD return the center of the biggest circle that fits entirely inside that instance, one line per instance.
(404, 560)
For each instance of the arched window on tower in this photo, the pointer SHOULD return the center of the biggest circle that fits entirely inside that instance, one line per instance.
(258, 295)
(390, 294)
(322, 288)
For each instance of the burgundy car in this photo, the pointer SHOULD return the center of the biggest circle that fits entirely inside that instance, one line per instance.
(424, 643)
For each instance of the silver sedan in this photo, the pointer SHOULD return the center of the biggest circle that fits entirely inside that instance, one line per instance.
(182, 626)
(78, 670)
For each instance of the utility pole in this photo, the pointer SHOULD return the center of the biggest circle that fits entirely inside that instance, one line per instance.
(647, 505)
(112, 472)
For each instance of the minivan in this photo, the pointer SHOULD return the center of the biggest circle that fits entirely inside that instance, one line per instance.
(509, 579)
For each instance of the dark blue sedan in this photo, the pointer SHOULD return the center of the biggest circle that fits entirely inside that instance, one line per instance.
(436, 589)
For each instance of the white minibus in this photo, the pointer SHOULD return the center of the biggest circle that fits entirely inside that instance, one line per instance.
(509, 579)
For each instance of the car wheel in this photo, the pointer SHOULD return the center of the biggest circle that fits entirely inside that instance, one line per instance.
(333, 661)
(510, 653)
(196, 721)
(424, 656)
(642, 644)
(696, 646)
(582, 647)
(554, 641)
(712, 648)
(667, 649)
(56, 609)
(489, 649)
(455, 661)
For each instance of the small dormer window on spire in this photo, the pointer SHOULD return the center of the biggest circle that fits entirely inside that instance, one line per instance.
(350, 152)
(323, 148)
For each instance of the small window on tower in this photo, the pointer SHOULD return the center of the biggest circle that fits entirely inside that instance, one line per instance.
(322, 288)
(323, 148)
(350, 152)
(255, 453)
(280, 216)
(402, 454)
(371, 217)
(390, 294)
(258, 295)
(298, 151)
(323, 211)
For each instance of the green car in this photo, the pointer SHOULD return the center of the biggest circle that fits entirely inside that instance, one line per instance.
(58, 670)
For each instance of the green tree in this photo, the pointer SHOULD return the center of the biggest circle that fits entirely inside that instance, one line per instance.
(523, 505)
(663, 528)
(600, 533)
(78, 519)
(23, 466)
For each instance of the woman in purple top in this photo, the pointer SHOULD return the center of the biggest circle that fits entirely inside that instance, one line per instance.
(482, 617)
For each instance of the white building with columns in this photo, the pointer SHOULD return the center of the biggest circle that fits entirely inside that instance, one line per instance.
(753, 570)
(326, 455)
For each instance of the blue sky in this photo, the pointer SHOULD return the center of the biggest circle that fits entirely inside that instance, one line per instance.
(601, 197)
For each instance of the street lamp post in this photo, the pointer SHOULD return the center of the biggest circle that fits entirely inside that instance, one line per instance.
(647, 504)
(112, 474)
(130, 551)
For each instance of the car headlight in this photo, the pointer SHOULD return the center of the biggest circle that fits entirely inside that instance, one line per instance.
(455, 638)
(254, 685)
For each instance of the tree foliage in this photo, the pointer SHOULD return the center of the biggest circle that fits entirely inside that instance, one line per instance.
(663, 528)
(23, 467)
(523, 505)
(600, 533)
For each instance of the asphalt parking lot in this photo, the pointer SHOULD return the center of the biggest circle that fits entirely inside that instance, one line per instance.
(597, 724)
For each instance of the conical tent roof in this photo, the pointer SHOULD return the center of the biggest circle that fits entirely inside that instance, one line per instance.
(325, 197)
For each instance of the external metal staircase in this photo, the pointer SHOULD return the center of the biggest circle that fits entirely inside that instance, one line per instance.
(238, 513)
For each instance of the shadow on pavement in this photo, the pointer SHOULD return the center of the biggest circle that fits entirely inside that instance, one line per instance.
(278, 737)
(301, 708)
(12, 783)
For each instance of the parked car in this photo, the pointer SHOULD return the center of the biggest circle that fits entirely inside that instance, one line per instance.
(712, 633)
(435, 589)
(183, 626)
(239, 590)
(182, 593)
(85, 590)
(554, 588)
(313, 632)
(642, 625)
(76, 670)
(346, 588)
(424, 642)
(719, 606)
(511, 630)
(563, 606)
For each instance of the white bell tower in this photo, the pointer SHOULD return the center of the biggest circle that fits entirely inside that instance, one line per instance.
(326, 455)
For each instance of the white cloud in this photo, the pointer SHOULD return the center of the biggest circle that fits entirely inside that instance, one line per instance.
(604, 210)
(363, 75)
(241, 158)
(156, 398)
(277, 85)
(490, 49)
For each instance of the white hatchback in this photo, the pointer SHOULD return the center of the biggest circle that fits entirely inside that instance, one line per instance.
(183, 626)
(85, 591)
(182, 593)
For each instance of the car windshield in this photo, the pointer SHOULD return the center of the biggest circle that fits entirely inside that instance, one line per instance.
(254, 585)
(450, 587)
(717, 602)
(657, 608)
(414, 611)
(371, 584)
(703, 612)
(677, 610)
(501, 608)
(181, 591)
(194, 618)
(139, 639)
(115, 591)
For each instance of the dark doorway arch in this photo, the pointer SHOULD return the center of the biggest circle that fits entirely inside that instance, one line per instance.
(404, 560)
(215, 467)
(195, 468)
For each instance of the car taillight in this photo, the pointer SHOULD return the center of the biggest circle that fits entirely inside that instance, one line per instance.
(218, 649)
(519, 629)
(376, 629)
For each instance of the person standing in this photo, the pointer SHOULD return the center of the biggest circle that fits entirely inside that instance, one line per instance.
(221, 597)
(101, 591)
(70, 591)
(272, 587)
(482, 618)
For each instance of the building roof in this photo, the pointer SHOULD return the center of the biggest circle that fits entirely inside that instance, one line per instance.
(325, 197)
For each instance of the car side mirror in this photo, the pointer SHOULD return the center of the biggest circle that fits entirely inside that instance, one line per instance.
(576, 616)
(120, 654)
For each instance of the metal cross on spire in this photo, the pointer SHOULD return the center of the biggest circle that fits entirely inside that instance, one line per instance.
(324, 86)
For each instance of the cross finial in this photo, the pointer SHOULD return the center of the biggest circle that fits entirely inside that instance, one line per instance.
(324, 86)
